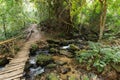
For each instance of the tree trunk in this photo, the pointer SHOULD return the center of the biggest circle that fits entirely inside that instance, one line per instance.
(102, 17)
(4, 27)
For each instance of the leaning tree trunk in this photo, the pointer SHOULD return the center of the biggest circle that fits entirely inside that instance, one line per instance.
(102, 17)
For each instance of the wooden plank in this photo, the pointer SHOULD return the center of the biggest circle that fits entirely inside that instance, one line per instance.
(11, 74)
(13, 64)
(16, 77)
(16, 66)
(11, 70)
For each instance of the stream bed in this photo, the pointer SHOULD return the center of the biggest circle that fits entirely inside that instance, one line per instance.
(57, 62)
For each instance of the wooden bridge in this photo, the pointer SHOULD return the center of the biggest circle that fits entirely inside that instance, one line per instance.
(15, 69)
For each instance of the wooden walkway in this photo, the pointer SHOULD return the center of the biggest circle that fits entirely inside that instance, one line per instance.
(15, 69)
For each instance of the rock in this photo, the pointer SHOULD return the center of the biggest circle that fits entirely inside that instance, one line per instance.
(74, 47)
(52, 76)
(3, 61)
(66, 42)
(53, 50)
(43, 59)
(52, 41)
(116, 67)
(65, 70)
(42, 44)
(52, 65)
(36, 71)
(61, 63)
(53, 45)
(66, 53)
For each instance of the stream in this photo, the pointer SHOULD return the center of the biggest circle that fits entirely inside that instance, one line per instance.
(57, 62)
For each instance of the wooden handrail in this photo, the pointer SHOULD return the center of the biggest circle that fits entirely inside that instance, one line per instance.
(9, 40)
(6, 41)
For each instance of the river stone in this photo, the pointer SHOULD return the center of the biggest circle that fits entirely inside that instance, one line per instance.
(66, 53)
(61, 63)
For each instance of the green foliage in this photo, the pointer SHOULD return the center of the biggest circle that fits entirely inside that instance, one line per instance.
(34, 47)
(13, 18)
(98, 56)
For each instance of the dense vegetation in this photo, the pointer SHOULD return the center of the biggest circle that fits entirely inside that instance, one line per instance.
(95, 22)
(97, 17)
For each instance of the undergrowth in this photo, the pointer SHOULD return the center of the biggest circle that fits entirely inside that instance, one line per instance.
(98, 56)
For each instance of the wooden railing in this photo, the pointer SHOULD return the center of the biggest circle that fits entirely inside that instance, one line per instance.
(8, 46)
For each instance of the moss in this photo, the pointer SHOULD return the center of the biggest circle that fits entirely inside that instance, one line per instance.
(33, 49)
(52, 76)
(43, 59)
(74, 47)
(72, 78)
(53, 50)
(51, 65)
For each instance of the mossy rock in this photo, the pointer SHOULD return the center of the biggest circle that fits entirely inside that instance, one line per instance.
(43, 59)
(3, 61)
(52, 41)
(61, 63)
(52, 65)
(54, 50)
(66, 53)
(53, 45)
(74, 47)
(33, 49)
(53, 76)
